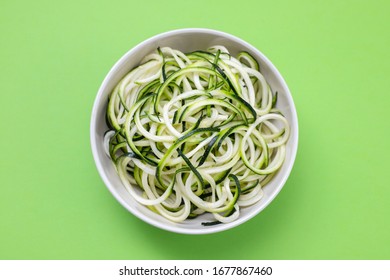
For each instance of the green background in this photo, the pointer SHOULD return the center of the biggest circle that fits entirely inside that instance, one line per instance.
(334, 56)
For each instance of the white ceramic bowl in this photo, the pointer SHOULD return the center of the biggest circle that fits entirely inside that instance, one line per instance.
(188, 40)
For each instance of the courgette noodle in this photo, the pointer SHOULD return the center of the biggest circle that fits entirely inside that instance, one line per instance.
(196, 132)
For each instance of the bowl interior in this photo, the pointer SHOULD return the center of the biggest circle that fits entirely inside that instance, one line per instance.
(188, 40)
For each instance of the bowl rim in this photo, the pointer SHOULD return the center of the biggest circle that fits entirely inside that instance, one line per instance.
(166, 226)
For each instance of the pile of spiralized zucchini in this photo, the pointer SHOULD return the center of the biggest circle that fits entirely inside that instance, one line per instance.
(196, 132)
